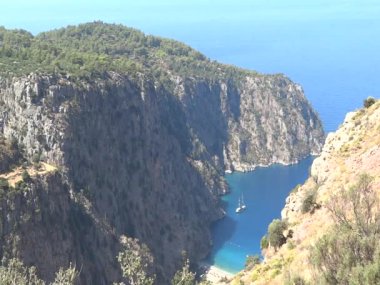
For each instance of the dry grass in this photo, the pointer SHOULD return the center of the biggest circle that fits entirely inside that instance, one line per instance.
(15, 175)
(352, 150)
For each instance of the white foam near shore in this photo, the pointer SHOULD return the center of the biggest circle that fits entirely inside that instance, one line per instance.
(214, 274)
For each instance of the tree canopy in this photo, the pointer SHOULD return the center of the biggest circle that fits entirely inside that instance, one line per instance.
(92, 49)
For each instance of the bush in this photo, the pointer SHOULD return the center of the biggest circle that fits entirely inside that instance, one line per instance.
(13, 271)
(4, 184)
(251, 261)
(276, 229)
(367, 273)
(36, 159)
(184, 276)
(25, 176)
(350, 252)
(67, 276)
(136, 263)
(369, 102)
(264, 243)
(309, 203)
(295, 280)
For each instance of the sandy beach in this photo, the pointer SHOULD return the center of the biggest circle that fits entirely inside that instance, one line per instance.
(214, 274)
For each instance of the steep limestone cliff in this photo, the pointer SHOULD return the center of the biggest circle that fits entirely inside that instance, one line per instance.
(116, 150)
(139, 154)
(256, 121)
(45, 227)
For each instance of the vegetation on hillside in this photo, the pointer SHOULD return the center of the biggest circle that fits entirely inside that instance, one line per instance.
(136, 263)
(10, 154)
(184, 276)
(251, 261)
(91, 50)
(276, 235)
(350, 252)
(369, 102)
(309, 203)
(13, 271)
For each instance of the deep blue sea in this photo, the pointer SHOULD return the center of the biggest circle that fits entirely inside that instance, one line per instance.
(329, 47)
(264, 190)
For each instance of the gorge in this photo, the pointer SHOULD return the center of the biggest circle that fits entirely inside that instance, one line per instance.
(138, 132)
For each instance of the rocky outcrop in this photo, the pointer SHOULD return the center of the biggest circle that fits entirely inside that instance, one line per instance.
(42, 225)
(348, 153)
(141, 157)
(256, 121)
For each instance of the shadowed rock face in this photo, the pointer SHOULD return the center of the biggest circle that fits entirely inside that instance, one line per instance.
(146, 162)
(257, 121)
(140, 158)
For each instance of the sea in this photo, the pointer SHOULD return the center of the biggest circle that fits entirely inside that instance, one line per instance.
(238, 235)
(330, 48)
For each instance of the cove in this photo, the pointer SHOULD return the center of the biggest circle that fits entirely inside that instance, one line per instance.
(265, 190)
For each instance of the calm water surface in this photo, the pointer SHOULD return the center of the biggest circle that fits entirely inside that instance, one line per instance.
(264, 191)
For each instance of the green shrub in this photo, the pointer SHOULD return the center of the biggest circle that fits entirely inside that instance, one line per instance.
(309, 203)
(295, 280)
(276, 229)
(25, 176)
(4, 184)
(368, 273)
(369, 102)
(36, 159)
(20, 186)
(136, 263)
(13, 271)
(184, 276)
(350, 252)
(251, 261)
(264, 242)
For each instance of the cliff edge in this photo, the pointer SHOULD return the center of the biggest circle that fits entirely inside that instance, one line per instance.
(337, 209)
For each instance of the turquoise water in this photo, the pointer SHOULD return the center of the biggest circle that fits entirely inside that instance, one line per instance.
(264, 191)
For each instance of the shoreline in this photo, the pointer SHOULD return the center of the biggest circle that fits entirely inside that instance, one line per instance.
(214, 274)
(282, 163)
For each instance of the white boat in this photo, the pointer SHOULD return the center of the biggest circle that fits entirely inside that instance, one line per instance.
(241, 206)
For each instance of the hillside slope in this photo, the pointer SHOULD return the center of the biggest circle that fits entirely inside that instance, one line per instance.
(336, 175)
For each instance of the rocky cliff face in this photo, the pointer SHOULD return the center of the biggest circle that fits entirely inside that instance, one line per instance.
(256, 121)
(43, 226)
(349, 152)
(140, 158)
(117, 151)
(148, 163)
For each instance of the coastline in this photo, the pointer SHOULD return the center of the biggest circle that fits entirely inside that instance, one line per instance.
(282, 163)
(214, 274)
